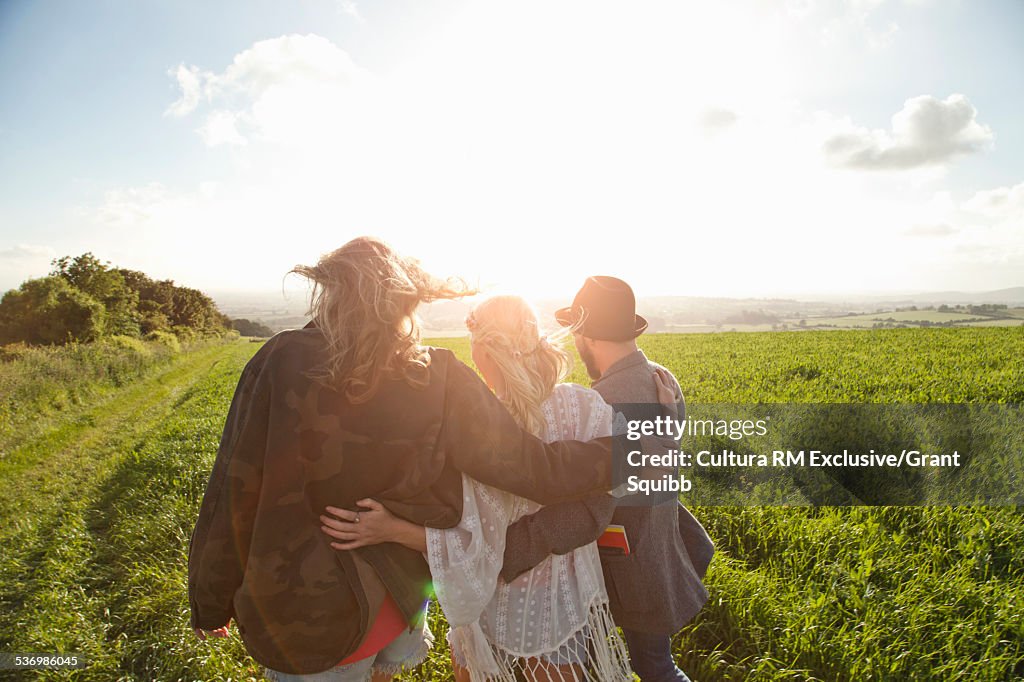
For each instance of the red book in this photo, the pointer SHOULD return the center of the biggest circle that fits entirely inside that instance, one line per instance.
(614, 540)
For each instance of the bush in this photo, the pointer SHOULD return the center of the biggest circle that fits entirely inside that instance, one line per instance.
(129, 344)
(183, 333)
(13, 351)
(166, 339)
(153, 320)
(50, 311)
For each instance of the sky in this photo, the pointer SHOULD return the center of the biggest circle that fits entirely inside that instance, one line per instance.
(736, 148)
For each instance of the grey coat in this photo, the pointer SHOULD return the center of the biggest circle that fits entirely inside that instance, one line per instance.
(656, 588)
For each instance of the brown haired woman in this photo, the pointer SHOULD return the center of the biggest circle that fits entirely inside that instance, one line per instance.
(552, 622)
(353, 407)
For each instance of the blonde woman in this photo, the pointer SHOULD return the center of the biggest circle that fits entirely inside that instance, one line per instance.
(552, 622)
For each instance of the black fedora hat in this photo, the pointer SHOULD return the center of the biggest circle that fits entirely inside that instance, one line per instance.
(605, 309)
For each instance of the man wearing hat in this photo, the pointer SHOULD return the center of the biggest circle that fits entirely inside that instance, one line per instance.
(656, 588)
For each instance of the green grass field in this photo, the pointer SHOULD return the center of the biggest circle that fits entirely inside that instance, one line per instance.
(96, 509)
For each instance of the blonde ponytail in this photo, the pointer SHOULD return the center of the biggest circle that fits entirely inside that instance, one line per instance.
(530, 363)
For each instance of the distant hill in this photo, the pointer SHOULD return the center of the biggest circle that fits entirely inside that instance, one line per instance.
(1012, 296)
(284, 310)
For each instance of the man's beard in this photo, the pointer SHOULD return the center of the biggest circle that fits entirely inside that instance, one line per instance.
(588, 359)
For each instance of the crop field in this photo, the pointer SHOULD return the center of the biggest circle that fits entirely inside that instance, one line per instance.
(100, 492)
(867, 319)
(1005, 318)
(997, 323)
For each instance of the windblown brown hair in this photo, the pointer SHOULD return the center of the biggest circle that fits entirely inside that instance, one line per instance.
(364, 300)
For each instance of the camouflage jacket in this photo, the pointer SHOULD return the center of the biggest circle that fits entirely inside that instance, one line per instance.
(291, 447)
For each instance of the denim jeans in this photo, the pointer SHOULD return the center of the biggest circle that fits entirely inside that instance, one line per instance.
(406, 651)
(651, 657)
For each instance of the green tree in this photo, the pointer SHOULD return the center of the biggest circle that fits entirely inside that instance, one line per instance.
(84, 298)
(251, 328)
(49, 310)
(192, 308)
(106, 285)
(156, 300)
(163, 306)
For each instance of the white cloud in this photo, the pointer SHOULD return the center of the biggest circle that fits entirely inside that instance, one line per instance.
(291, 89)
(940, 230)
(22, 261)
(29, 252)
(190, 81)
(497, 165)
(131, 206)
(270, 63)
(213, 234)
(209, 188)
(1003, 203)
(972, 244)
(716, 119)
(221, 128)
(847, 23)
(927, 131)
(350, 8)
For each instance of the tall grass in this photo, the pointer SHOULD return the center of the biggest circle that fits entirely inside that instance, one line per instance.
(861, 593)
(39, 382)
(93, 562)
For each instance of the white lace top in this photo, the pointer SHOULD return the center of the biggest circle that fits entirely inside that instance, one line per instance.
(541, 610)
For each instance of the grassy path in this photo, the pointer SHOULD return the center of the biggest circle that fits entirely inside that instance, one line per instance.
(66, 495)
